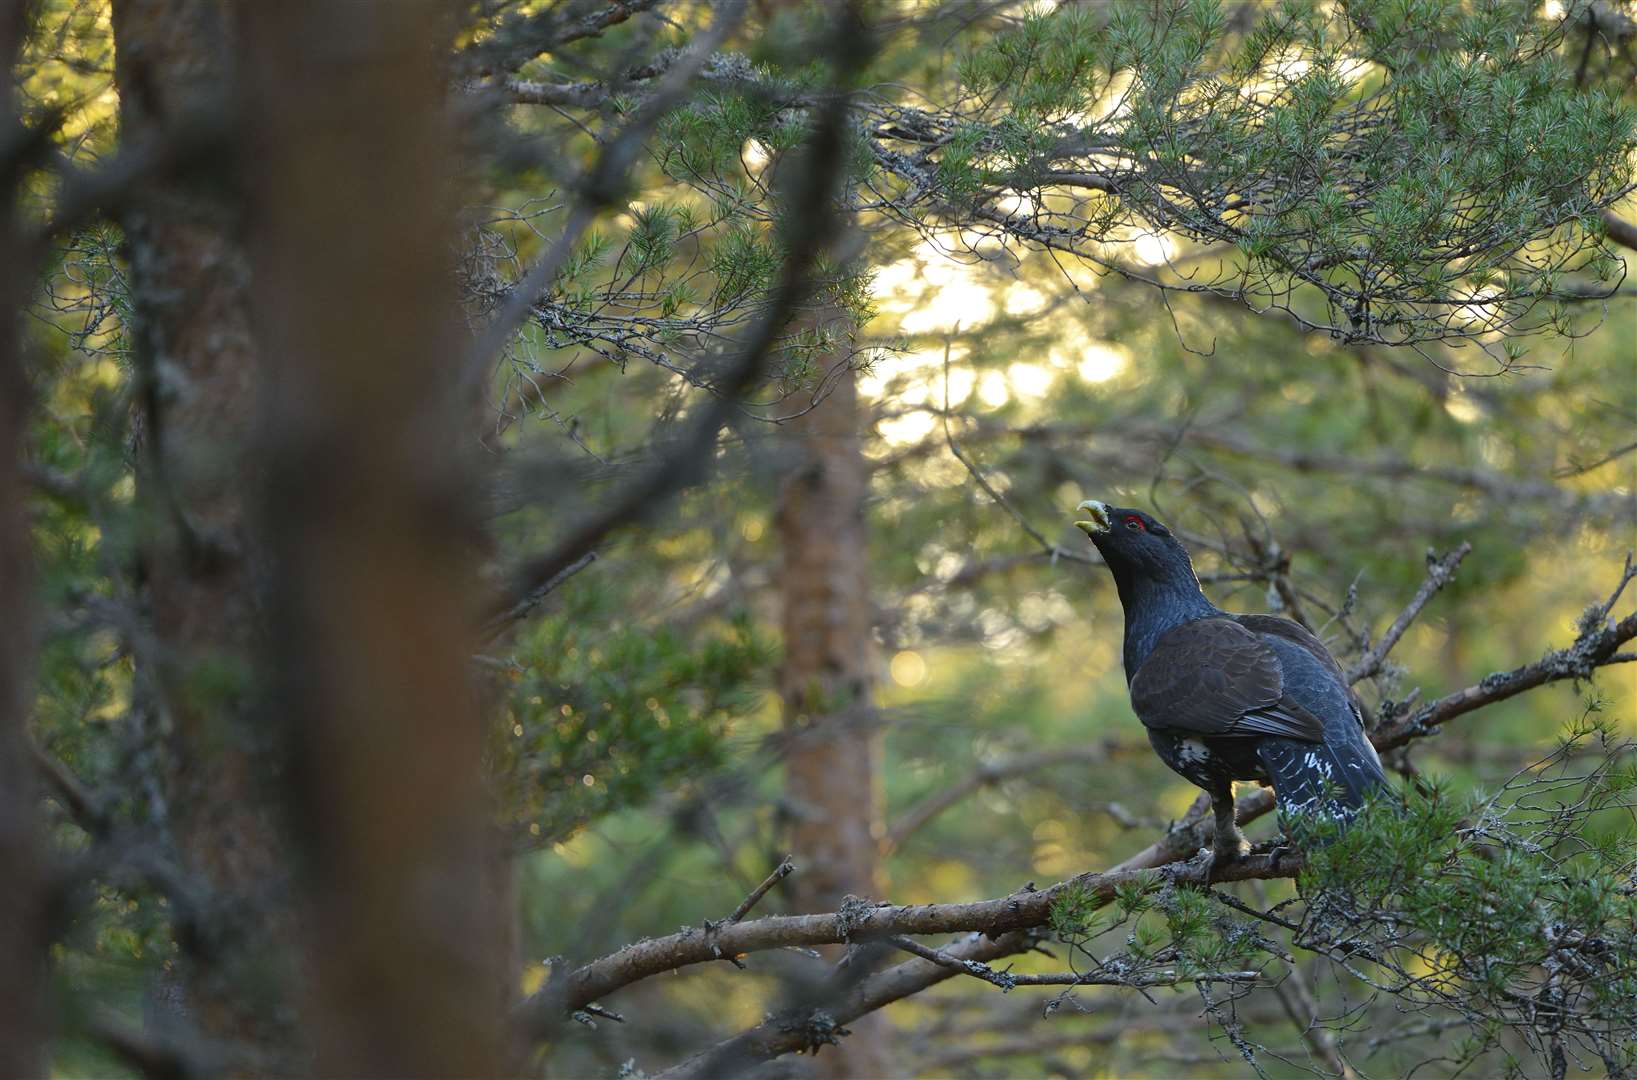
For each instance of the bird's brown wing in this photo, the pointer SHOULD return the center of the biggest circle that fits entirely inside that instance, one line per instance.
(1215, 677)
(1293, 631)
(1301, 635)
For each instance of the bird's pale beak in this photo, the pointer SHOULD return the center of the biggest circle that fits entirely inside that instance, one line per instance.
(1095, 523)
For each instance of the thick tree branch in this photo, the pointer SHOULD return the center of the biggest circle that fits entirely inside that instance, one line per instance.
(1621, 231)
(522, 37)
(576, 95)
(1006, 923)
(786, 1033)
(855, 922)
(1594, 648)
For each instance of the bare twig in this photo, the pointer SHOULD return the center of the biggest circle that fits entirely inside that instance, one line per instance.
(1138, 441)
(1581, 469)
(1296, 997)
(780, 872)
(82, 806)
(526, 605)
(1007, 981)
(1054, 550)
(606, 1014)
(1440, 571)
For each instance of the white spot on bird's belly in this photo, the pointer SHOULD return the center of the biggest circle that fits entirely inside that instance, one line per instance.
(1192, 752)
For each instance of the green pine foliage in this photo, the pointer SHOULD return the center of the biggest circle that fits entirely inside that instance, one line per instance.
(1415, 170)
(1422, 171)
(604, 712)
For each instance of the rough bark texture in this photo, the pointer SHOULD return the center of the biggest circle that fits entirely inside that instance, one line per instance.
(196, 400)
(368, 517)
(825, 683)
(22, 921)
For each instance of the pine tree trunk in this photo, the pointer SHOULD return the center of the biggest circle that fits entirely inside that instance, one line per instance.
(22, 915)
(830, 765)
(196, 377)
(369, 517)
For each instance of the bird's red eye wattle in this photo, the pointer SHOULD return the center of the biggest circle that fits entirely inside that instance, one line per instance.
(1135, 522)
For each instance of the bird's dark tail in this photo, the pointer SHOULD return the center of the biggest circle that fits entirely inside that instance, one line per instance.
(1333, 778)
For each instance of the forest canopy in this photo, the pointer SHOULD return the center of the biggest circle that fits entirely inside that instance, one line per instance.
(537, 535)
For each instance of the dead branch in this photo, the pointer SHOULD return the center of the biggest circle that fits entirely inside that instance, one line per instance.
(1594, 648)
(1008, 923)
(1132, 443)
(526, 605)
(1296, 998)
(780, 872)
(1008, 981)
(1620, 230)
(1440, 571)
(523, 37)
(855, 922)
(1055, 551)
(84, 807)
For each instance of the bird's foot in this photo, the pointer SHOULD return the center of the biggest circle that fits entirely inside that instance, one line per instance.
(1194, 871)
(1229, 848)
(1281, 852)
(1198, 869)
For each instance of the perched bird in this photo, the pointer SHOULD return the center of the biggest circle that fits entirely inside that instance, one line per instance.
(1230, 697)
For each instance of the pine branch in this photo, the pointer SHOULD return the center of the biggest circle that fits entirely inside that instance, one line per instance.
(1007, 925)
(857, 922)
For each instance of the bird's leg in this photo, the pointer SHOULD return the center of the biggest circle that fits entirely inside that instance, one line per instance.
(1230, 843)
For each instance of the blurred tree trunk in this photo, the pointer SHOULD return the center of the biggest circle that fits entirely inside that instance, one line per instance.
(370, 519)
(22, 911)
(200, 568)
(830, 766)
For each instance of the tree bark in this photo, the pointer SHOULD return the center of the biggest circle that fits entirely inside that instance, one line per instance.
(369, 517)
(22, 908)
(196, 401)
(830, 764)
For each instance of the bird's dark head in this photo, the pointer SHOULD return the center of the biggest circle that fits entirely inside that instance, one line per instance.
(1136, 547)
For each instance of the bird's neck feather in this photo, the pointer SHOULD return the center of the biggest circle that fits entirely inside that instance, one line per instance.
(1155, 605)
